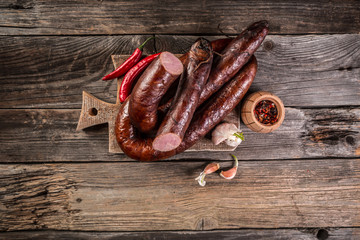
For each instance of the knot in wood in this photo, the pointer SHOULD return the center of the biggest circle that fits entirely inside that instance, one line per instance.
(269, 45)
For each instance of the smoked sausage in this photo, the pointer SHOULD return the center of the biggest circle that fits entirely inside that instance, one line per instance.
(217, 45)
(177, 119)
(219, 106)
(209, 115)
(234, 56)
(150, 88)
(130, 140)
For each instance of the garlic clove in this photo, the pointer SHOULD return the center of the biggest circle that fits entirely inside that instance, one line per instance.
(211, 167)
(201, 179)
(229, 174)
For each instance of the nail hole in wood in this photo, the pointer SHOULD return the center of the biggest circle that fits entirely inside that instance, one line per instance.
(93, 112)
(322, 234)
(79, 200)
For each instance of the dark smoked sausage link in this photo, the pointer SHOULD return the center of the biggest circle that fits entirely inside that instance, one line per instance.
(217, 45)
(177, 120)
(131, 141)
(150, 88)
(212, 113)
(219, 106)
(234, 56)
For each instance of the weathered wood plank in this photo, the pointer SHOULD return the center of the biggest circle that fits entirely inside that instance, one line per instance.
(165, 196)
(185, 17)
(49, 135)
(243, 234)
(302, 70)
(51, 72)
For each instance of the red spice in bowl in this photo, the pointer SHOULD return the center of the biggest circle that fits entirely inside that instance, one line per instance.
(266, 112)
(262, 112)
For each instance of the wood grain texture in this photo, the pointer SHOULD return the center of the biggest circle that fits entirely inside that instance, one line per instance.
(50, 136)
(243, 234)
(165, 196)
(174, 17)
(302, 70)
(50, 51)
(51, 72)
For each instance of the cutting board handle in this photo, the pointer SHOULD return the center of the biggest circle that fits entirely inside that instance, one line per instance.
(94, 111)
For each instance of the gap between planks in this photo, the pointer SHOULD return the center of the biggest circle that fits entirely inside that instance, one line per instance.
(240, 234)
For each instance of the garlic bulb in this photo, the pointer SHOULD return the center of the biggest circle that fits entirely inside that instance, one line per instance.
(227, 132)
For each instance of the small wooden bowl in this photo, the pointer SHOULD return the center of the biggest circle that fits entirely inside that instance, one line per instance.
(247, 111)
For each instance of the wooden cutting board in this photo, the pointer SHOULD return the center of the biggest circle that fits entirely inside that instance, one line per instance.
(94, 112)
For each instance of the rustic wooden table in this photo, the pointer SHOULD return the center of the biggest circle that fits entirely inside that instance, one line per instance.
(300, 182)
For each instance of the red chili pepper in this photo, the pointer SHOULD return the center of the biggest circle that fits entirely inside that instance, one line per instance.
(131, 61)
(132, 74)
